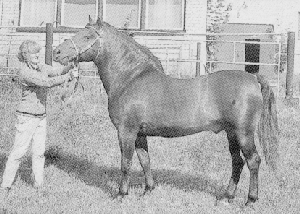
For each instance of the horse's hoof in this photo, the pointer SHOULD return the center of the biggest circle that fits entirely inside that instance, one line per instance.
(230, 200)
(148, 189)
(120, 196)
(250, 202)
(224, 199)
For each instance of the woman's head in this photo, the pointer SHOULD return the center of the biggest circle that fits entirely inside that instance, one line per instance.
(29, 52)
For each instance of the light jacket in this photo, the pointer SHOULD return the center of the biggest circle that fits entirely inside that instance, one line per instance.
(35, 84)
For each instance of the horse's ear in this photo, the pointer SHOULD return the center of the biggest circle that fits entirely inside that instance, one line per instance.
(91, 21)
(99, 22)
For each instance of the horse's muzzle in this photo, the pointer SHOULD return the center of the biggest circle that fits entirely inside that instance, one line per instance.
(56, 55)
(64, 60)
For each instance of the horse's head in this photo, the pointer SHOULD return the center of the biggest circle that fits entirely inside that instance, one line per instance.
(84, 46)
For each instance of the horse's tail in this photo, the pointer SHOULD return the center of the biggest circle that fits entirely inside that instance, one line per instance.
(268, 124)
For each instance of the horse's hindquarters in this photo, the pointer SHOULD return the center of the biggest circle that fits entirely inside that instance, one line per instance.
(238, 98)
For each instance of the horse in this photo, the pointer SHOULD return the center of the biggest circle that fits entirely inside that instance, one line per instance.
(144, 101)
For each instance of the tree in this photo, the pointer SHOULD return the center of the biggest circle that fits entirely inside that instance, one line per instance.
(217, 14)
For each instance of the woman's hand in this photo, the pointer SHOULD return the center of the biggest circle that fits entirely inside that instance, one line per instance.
(74, 73)
(67, 68)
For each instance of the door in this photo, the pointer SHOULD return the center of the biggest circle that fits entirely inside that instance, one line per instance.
(252, 52)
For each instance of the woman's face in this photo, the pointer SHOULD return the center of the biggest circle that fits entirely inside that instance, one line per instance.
(34, 58)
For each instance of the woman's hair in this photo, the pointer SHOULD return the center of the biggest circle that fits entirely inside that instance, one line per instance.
(26, 48)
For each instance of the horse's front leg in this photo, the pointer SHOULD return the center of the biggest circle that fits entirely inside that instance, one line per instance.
(127, 145)
(141, 147)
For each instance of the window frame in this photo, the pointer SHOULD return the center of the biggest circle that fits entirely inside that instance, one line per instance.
(61, 11)
(21, 9)
(100, 12)
(143, 17)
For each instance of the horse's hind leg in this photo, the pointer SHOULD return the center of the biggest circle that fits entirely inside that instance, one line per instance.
(246, 140)
(141, 147)
(237, 164)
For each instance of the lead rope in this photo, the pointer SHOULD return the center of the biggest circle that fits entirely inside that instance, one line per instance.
(67, 85)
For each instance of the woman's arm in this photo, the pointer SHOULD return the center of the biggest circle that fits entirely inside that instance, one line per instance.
(34, 78)
(56, 71)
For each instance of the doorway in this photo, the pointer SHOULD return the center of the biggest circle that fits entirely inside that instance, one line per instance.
(252, 52)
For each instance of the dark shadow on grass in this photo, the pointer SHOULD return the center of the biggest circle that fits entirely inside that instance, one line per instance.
(2, 162)
(25, 171)
(83, 170)
(100, 176)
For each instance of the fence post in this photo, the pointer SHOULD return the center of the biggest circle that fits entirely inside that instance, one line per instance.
(198, 64)
(290, 65)
(100, 9)
(49, 43)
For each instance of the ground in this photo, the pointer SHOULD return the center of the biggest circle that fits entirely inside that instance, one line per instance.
(82, 169)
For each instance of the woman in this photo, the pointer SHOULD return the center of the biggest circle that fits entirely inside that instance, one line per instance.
(31, 112)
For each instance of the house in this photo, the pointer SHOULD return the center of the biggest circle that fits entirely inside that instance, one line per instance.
(174, 30)
(171, 29)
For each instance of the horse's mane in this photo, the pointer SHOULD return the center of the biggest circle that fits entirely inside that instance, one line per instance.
(142, 52)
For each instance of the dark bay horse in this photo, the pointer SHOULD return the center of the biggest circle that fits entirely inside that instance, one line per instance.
(143, 101)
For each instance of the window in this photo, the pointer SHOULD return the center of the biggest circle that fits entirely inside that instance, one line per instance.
(75, 13)
(123, 13)
(37, 12)
(164, 14)
(145, 14)
(130, 14)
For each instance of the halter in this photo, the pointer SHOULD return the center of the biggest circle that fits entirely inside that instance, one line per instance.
(78, 51)
(76, 62)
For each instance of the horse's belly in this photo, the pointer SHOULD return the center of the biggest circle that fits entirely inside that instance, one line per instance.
(174, 121)
(179, 130)
(170, 132)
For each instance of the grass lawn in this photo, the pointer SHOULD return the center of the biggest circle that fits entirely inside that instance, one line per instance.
(82, 170)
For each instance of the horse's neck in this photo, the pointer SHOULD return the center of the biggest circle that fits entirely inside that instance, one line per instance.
(105, 77)
(114, 80)
(119, 65)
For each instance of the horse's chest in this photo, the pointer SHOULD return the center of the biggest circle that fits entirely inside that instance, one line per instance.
(125, 110)
(114, 110)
